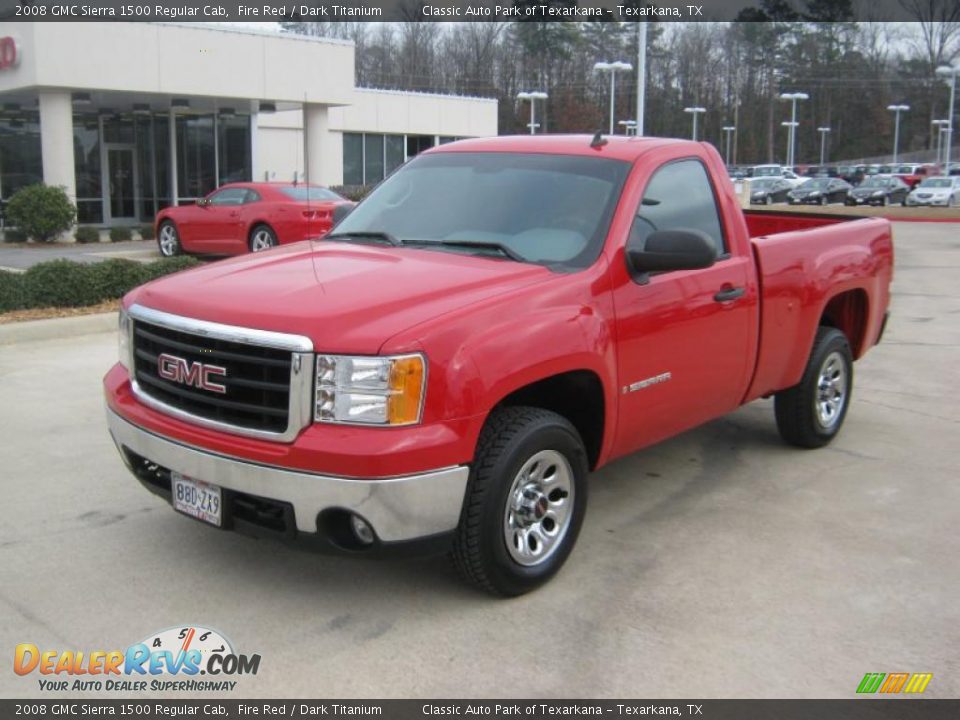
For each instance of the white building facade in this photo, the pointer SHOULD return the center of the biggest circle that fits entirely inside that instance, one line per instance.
(134, 117)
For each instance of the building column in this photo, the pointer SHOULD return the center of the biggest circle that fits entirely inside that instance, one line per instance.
(257, 172)
(56, 141)
(323, 159)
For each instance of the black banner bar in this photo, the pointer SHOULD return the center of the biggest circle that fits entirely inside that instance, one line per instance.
(873, 708)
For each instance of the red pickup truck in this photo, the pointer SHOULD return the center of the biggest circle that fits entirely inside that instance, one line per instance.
(496, 320)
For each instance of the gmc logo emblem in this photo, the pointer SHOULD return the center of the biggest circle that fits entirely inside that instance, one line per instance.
(198, 374)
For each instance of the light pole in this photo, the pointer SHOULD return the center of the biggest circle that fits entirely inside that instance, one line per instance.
(791, 142)
(629, 126)
(790, 127)
(897, 109)
(940, 130)
(641, 74)
(613, 68)
(729, 130)
(948, 71)
(694, 111)
(823, 143)
(532, 96)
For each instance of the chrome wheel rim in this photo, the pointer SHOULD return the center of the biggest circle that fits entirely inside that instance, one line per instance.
(168, 240)
(539, 508)
(262, 240)
(831, 390)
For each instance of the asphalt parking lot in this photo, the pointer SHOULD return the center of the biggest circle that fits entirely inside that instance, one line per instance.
(719, 564)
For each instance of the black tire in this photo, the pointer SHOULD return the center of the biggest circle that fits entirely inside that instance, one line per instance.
(262, 237)
(768, 201)
(168, 239)
(798, 419)
(511, 437)
(823, 200)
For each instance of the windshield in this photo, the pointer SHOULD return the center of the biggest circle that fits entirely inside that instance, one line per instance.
(552, 209)
(905, 169)
(767, 172)
(885, 169)
(875, 183)
(764, 184)
(818, 184)
(311, 194)
(937, 183)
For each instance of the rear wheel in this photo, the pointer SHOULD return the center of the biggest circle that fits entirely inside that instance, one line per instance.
(168, 239)
(768, 200)
(525, 501)
(811, 413)
(823, 200)
(262, 238)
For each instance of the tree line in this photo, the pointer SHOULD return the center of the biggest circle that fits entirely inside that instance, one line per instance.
(851, 71)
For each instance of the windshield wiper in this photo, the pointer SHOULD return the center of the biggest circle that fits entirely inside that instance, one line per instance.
(480, 244)
(366, 235)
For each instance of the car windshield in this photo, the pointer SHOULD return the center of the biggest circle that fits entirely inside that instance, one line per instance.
(764, 184)
(875, 183)
(767, 172)
(304, 193)
(937, 183)
(885, 169)
(905, 169)
(816, 184)
(550, 209)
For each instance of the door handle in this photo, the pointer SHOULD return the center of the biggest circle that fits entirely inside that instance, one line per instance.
(728, 294)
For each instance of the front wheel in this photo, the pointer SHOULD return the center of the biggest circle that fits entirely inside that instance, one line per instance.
(168, 239)
(262, 238)
(811, 413)
(525, 501)
(823, 200)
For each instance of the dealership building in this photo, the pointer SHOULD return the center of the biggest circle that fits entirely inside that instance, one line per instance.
(134, 117)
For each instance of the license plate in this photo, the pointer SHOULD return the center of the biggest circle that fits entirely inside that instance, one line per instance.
(196, 498)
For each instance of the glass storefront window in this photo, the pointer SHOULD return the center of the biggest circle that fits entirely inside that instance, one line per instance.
(394, 155)
(372, 159)
(352, 159)
(195, 157)
(20, 159)
(86, 158)
(233, 138)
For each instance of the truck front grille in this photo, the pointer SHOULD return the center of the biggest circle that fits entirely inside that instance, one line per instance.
(248, 387)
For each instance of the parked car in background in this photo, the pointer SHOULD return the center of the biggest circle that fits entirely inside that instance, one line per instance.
(819, 191)
(766, 191)
(912, 175)
(936, 191)
(853, 174)
(248, 217)
(776, 171)
(879, 190)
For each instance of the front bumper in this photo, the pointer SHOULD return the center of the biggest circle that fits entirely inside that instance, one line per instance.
(310, 508)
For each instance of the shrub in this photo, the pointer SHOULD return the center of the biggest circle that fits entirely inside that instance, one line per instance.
(41, 211)
(146, 232)
(86, 234)
(64, 283)
(120, 234)
(58, 283)
(14, 235)
(11, 291)
(353, 192)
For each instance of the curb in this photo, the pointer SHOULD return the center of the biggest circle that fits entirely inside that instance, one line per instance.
(57, 328)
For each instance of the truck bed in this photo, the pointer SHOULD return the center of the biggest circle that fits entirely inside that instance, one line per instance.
(761, 223)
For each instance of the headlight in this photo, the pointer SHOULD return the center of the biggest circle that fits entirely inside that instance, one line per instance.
(878, 193)
(370, 390)
(124, 344)
(815, 193)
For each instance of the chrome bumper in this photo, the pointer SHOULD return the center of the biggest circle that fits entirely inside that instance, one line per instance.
(398, 509)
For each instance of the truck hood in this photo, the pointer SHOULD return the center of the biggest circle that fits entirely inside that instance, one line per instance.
(346, 298)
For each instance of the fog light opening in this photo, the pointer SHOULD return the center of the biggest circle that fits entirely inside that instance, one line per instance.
(361, 530)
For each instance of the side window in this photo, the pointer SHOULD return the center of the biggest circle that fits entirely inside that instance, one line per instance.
(252, 196)
(229, 196)
(679, 196)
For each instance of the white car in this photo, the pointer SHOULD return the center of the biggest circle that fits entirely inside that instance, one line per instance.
(943, 191)
(774, 171)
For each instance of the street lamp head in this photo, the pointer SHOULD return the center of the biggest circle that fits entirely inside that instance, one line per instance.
(532, 95)
(794, 96)
(948, 70)
(898, 108)
(788, 123)
(694, 110)
(823, 129)
(615, 66)
(729, 128)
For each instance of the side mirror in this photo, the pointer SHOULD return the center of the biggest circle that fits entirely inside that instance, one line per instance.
(202, 202)
(667, 250)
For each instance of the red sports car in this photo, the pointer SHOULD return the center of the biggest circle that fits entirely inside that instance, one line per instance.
(248, 217)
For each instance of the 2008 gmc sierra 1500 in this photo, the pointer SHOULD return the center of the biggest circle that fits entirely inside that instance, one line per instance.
(497, 319)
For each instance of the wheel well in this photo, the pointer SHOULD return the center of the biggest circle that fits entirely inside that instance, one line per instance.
(254, 225)
(577, 396)
(848, 313)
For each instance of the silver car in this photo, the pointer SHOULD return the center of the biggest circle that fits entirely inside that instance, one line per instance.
(943, 191)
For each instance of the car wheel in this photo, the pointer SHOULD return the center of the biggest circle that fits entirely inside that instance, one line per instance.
(811, 413)
(823, 200)
(768, 200)
(168, 239)
(884, 201)
(262, 238)
(525, 501)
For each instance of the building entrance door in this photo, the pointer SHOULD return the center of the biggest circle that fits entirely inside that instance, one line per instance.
(122, 184)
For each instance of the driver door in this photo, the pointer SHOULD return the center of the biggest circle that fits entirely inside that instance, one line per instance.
(683, 336)
(217, 220)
